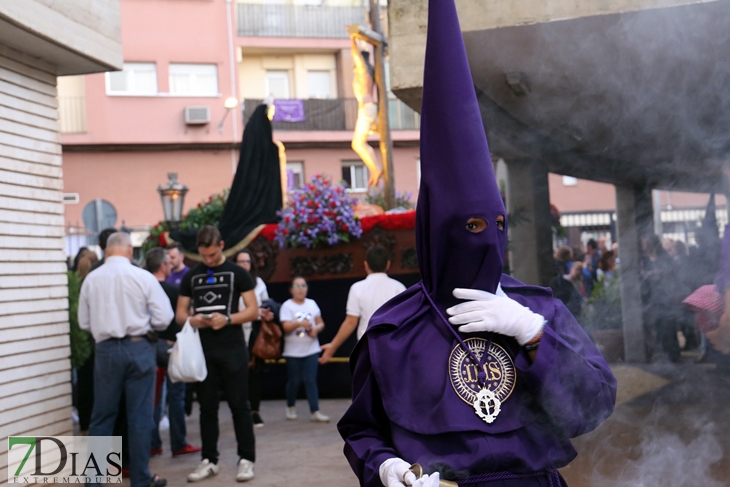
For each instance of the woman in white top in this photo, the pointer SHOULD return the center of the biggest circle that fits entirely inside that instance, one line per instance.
(244, 259)
(302, 322)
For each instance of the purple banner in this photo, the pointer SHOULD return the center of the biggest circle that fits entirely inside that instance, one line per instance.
(289, 111)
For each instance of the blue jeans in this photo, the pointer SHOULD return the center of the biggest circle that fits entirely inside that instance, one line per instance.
(175, 403)
(126, 365)
(298, 370)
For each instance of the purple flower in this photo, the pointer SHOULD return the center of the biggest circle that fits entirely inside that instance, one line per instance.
(316, 216)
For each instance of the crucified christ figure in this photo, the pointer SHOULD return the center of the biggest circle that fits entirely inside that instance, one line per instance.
(367, 112)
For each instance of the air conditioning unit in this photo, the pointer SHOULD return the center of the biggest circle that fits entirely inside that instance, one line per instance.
(197, 115)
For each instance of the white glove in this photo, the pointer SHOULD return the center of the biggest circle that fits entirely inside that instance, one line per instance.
(394, 473)
(428, 481)
(488, 312)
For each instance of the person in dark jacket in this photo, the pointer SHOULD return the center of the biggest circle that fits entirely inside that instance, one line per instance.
(157, 262)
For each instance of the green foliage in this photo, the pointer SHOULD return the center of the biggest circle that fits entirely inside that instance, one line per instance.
(80, 339)
(153, 240)
(603, 309)
(206, 213)
(376, 196)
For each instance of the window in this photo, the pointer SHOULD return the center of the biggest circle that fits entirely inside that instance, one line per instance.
(318, 83)
(133, 79)
(570, 181)
(277, 84)
(193, 79)
(294, 175)
(356, 175)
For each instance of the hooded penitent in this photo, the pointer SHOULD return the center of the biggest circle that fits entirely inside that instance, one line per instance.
(256, 190)
(413, 388)
(457, 178)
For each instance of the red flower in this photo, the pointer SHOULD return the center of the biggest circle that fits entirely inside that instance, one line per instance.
(298, 225)
(199, 205)
(163, 240)
(333, 204)
(345, 228)
(285, 232)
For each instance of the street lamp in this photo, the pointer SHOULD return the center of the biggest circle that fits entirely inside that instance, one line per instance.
(173, 199)
(229, 105)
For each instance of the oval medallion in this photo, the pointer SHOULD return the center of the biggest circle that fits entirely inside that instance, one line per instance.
(499, 370)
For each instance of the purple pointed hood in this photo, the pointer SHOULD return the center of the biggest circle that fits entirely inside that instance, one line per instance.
(457, 177)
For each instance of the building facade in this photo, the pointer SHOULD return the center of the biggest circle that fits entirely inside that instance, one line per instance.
(123, 132)
(35, 371)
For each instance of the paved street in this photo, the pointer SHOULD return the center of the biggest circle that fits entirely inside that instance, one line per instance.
(289, 453)
(668, 430)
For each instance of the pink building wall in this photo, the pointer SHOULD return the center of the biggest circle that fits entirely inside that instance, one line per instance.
(164, 32)
(594, 196)
(129, 179)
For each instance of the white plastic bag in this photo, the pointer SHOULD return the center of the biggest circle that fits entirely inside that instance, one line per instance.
(187, 361)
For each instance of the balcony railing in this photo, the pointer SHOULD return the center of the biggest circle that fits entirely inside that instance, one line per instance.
(340, 114)
(72, 114)
(255, 20)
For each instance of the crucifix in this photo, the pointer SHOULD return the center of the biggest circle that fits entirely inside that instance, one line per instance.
(375, 38)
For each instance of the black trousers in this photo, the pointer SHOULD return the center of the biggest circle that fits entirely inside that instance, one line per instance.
(227, 370)
(256, 371)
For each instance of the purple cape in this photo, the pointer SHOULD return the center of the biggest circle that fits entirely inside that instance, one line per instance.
(405, 406)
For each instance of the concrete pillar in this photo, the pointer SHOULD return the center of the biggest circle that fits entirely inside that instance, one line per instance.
(530, 232)
(635, 218)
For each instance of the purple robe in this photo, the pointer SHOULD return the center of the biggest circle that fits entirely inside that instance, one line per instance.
(405, 406)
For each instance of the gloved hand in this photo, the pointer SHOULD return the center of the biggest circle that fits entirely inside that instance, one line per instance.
(488, 312)
(394, 473)
(428, 481)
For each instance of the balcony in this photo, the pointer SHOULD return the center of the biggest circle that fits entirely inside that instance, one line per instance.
(255, 20)
(340, 114)
(72, 114)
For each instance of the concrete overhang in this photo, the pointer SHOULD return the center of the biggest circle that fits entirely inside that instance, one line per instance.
(624, 93)
(76, 36)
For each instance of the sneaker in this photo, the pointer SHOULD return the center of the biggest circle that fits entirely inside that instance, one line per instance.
(258, 422)
(318, 417)
(291, 413)
(157, 481)
(185, 450)
(155, 451)
(204, 470)
(245, 470)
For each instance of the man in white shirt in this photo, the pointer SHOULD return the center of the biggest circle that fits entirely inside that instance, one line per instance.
(120, 305)
(365, 298)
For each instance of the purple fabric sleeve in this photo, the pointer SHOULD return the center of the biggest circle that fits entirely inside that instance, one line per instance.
(570, 379)
(365, 426)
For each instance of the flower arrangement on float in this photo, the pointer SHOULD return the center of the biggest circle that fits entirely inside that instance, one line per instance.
(318, 215)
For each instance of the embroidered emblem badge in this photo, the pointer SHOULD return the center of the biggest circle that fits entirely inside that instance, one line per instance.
(498, 375)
